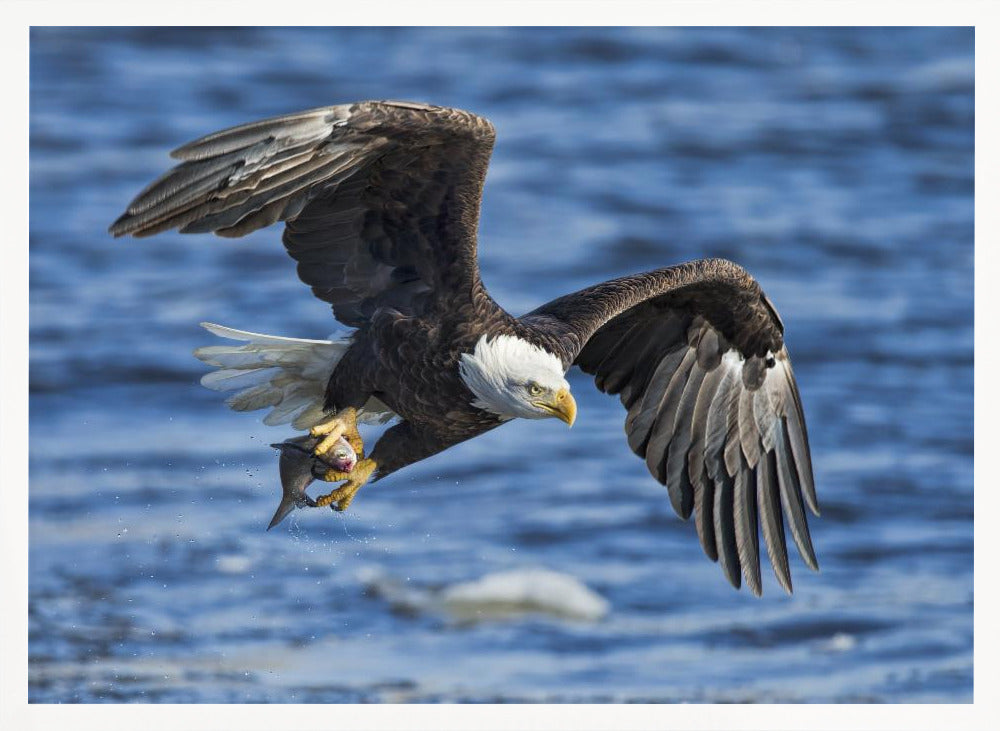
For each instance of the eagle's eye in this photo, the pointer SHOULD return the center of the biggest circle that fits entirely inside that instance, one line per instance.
(534, 389)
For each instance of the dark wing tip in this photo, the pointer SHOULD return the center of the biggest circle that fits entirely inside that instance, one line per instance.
(127, 225)
(785, 581)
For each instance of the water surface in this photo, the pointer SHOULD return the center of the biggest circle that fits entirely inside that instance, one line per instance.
(836, 165)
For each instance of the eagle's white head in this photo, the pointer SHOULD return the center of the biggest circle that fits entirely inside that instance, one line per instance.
(511, 377)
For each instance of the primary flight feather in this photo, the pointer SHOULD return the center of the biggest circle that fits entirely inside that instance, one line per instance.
(381, 207)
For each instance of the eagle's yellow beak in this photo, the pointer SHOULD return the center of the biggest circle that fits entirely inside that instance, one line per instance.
(562, 405)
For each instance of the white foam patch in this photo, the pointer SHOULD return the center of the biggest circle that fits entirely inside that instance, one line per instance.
(840, 642)
(233, 563)
(497, 596)
(525, 591)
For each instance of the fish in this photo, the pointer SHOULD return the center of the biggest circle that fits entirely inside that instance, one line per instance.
(298, 467)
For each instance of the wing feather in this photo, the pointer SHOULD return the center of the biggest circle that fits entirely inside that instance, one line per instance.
(182, 185)
(299, 128)
(725, 530)
(274, 191)
(769, 504)
(699, 422)
(380, 200)
(617, 367)
(697, 354)
(680, 443)
(662, 336)
(662, 428)
(717, 424)
(798, 437)
(639, 428)
(704, 488)
(745, 523)
(791, 500)
(749, 436)
(704, 502)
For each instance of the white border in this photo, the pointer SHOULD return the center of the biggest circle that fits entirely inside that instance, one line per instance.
(18, 15)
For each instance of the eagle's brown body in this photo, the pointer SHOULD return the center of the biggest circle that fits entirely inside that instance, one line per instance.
(411, 365)
(381, 206)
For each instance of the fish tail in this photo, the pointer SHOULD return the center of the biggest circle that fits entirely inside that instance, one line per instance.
(286, 506)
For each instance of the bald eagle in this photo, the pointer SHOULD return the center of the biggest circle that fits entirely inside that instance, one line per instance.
(380, 202)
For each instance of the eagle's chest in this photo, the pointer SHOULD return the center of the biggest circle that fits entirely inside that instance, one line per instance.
(420, 378)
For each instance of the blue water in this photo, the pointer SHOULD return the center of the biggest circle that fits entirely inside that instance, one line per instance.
(836, 165)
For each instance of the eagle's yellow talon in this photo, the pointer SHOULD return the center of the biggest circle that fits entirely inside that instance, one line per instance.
(335, 476)
(340, 498)
(328, 426)
(344, 424)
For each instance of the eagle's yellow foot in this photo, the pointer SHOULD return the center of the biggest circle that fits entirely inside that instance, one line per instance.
(340, 498)
(334, 476)
(344, 424)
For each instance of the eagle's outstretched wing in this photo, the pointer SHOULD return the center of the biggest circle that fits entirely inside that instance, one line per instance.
(380, 200)
(696, 354)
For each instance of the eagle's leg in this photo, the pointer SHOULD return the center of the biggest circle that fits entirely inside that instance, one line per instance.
(398, 447)
(340, 498)
(343, 424)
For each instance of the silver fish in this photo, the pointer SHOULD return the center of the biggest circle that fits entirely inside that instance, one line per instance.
(298, 467)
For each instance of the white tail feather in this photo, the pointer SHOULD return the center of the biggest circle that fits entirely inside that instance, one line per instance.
(288, 374)
(257, 338)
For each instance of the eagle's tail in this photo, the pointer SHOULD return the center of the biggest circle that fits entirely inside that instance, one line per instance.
(289, 375)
